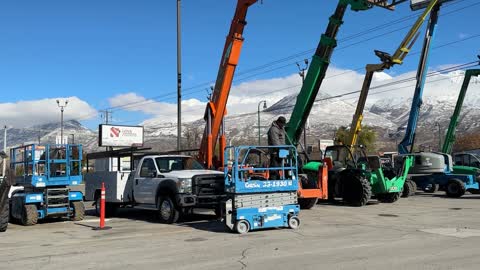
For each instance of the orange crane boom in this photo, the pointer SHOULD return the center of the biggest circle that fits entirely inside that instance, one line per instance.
(216, 107)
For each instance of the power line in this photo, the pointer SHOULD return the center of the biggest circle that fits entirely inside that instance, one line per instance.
(362, 33)
(413, 78)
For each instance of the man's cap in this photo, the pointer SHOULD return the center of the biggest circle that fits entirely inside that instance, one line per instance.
(282, 120)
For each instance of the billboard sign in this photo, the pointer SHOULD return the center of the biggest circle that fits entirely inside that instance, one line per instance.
(120, 136)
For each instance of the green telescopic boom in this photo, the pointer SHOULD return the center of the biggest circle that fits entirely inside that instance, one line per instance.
(452, 127)
(319, 65)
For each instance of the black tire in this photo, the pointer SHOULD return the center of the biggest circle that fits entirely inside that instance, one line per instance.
(78, 211)
(307, 203)
(4, 216)
(407, 189)
(167, 210)
(414, 187)
(110, 208)
(389, 197)
(432, 187)
(29, 215)
(455, 188)
(356, 190)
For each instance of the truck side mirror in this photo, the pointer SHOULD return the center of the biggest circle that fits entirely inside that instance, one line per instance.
(152, 174)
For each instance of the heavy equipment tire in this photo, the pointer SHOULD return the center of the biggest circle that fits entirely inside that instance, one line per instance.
(414, 187)
(78, 211)
(388, 197)
(294, 222)
(356, 190)
(307, 203)
(455, 188)
(29, 215)
(407, 189)
(4, 216)
(167, 211)
(242, 226)
(432, 188)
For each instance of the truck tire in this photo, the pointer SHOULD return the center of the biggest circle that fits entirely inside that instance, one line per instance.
(78, 211)
(307, 203)
(29, 215)
(389, 197)
(455, 188)
(167, 210)
(356, 190)
(4, 216)
(110, 208)
(407, 189)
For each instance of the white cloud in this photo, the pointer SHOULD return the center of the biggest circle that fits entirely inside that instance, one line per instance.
(244, 97)
(34, 112)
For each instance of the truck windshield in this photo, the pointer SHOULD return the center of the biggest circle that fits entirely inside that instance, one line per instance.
(166, 164)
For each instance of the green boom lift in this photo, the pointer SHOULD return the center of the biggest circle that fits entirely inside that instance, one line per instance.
(452, 127)
(313, 81)
(355, 181)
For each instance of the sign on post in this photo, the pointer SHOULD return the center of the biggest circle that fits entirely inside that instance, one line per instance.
(120, 136)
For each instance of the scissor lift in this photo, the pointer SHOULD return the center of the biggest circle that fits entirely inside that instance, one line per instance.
(255, 202)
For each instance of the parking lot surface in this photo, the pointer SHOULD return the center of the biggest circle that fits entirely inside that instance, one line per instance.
(421, 232)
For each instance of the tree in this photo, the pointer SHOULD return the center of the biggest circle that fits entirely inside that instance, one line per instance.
(467, 142)
(367, 137)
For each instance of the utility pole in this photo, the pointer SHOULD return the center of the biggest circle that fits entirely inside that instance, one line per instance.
(4, 150)
(264, 107)
(179, 77)
(301, 72)
(62, 108)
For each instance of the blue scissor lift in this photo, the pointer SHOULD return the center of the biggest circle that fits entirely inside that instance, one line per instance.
(253, 201)
(46, 173)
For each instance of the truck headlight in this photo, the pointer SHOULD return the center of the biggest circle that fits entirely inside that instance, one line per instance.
(184, 185)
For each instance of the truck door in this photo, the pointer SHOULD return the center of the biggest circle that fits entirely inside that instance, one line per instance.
(144, 184)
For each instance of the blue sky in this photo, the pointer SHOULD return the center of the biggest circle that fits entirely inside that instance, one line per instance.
(95, 50)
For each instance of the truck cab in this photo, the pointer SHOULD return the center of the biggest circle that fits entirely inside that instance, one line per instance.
(169, 184)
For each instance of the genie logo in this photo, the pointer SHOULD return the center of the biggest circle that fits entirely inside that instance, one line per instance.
(114, 132)
(252, 185)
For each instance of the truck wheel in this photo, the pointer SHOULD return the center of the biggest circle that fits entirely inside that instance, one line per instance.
(4, 215)
(455, 188)
(356, 190)
(294, 222)
(29, 215)
(388, 197)
(78, 211)
(110, 208)
(242, 226)
(167, 211)
(407, 189)
(307, 203)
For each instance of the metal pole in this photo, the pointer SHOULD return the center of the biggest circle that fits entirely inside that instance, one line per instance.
(61, 126)
(4, 150)
(62, 108)
(179, 77)
(439, 137)
(258, 114)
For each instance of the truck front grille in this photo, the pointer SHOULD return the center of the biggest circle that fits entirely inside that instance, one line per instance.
(207, 185)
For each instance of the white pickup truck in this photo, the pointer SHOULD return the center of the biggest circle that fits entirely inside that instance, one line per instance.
(168, 184)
